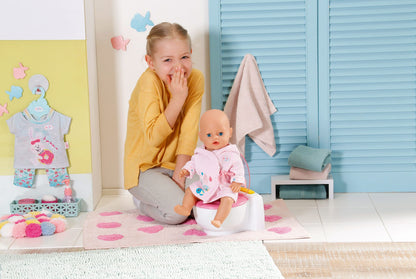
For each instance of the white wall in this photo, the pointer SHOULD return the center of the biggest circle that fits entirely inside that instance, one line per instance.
(119, 70)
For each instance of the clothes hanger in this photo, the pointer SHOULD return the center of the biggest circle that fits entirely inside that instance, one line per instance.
(39, 108)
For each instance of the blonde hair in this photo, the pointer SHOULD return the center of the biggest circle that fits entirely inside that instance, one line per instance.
(165, 30)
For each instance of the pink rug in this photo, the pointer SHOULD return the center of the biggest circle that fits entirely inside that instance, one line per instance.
(113, 229)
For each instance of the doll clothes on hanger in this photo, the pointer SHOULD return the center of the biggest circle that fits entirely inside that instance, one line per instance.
(39, 139)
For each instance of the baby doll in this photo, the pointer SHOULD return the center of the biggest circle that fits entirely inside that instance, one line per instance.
(219, 166)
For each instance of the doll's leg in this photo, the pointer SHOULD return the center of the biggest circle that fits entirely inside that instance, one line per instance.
(223, 210)
(188, 203)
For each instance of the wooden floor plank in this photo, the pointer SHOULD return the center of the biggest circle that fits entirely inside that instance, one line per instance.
(344, 260)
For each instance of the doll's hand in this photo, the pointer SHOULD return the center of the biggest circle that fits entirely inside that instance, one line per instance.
(184, 173)
(235, 187)
(178, 86)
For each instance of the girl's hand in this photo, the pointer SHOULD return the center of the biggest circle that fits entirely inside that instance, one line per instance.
(235, 187)
(178, 86)
(180, 180)
(181, 160)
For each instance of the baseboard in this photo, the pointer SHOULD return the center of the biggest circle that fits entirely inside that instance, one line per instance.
(115, 192)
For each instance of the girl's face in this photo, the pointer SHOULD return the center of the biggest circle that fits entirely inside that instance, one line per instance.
(168, 55)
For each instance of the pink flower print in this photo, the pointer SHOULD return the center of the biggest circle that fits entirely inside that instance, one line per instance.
(280, 230)
(108, 225)
(195, 232)
(190, 222)
(151, 229)
(145, 218)
(272, 218)
(110, 213)
(110, 237)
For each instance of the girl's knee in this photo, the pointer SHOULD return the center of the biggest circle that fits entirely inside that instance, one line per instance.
(169, 217)
(174, 218)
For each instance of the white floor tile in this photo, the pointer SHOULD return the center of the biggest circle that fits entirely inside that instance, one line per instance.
(349, 215)
(5, 242)
(350, 232)
(64, 239)
(402, 232)
(124, 202)
(306, 214)
(361, 200)
(300, 203)
(397, 215)
(79, 242)
(394, 200)
(77, 222)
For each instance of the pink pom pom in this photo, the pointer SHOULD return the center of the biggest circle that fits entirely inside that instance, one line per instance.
(59, 224)
(11, 215)
(19, 230)
(15, 218)
(40, 215)
(43, 219)
(7, 230)
(4, 217)
(33, 230)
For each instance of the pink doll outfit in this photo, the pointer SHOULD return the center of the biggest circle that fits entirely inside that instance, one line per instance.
(217, 169)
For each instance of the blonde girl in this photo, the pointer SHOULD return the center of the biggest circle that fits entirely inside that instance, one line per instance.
(162, 124)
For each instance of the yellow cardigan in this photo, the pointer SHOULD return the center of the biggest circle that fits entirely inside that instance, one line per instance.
(150, 142)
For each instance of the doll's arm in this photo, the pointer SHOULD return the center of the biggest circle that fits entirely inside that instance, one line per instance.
(187, 170)
(184, 173)
(235, 187)
(237, 168)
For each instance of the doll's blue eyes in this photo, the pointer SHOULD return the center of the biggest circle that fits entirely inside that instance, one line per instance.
(220, 134)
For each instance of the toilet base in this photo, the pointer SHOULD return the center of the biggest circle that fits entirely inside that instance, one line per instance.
(220, 232)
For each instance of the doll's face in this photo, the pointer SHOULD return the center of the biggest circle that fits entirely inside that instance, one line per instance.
(215, 131)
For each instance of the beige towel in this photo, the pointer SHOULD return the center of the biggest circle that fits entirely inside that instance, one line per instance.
(304, 174)
(249, 108)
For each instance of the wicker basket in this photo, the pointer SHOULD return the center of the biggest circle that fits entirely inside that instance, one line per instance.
(67, 209)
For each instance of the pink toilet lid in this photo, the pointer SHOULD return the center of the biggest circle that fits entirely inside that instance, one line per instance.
(242, 199)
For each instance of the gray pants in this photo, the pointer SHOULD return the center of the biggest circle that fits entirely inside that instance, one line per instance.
(158, 194)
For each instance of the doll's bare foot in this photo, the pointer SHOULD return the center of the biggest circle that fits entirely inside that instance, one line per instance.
(216, 223)
(182, 210)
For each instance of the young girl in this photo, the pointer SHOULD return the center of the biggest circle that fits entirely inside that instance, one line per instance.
(162, 125)
(219, 166)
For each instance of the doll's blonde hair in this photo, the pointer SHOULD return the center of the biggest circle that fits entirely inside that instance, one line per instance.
(165, 30)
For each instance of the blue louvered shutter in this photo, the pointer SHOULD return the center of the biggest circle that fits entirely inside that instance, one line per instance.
(282, 37)
(367, 93)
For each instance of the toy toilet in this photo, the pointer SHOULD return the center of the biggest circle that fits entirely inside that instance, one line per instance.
(247, 214)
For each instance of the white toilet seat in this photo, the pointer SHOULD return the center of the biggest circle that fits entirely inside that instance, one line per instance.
(205, 213)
